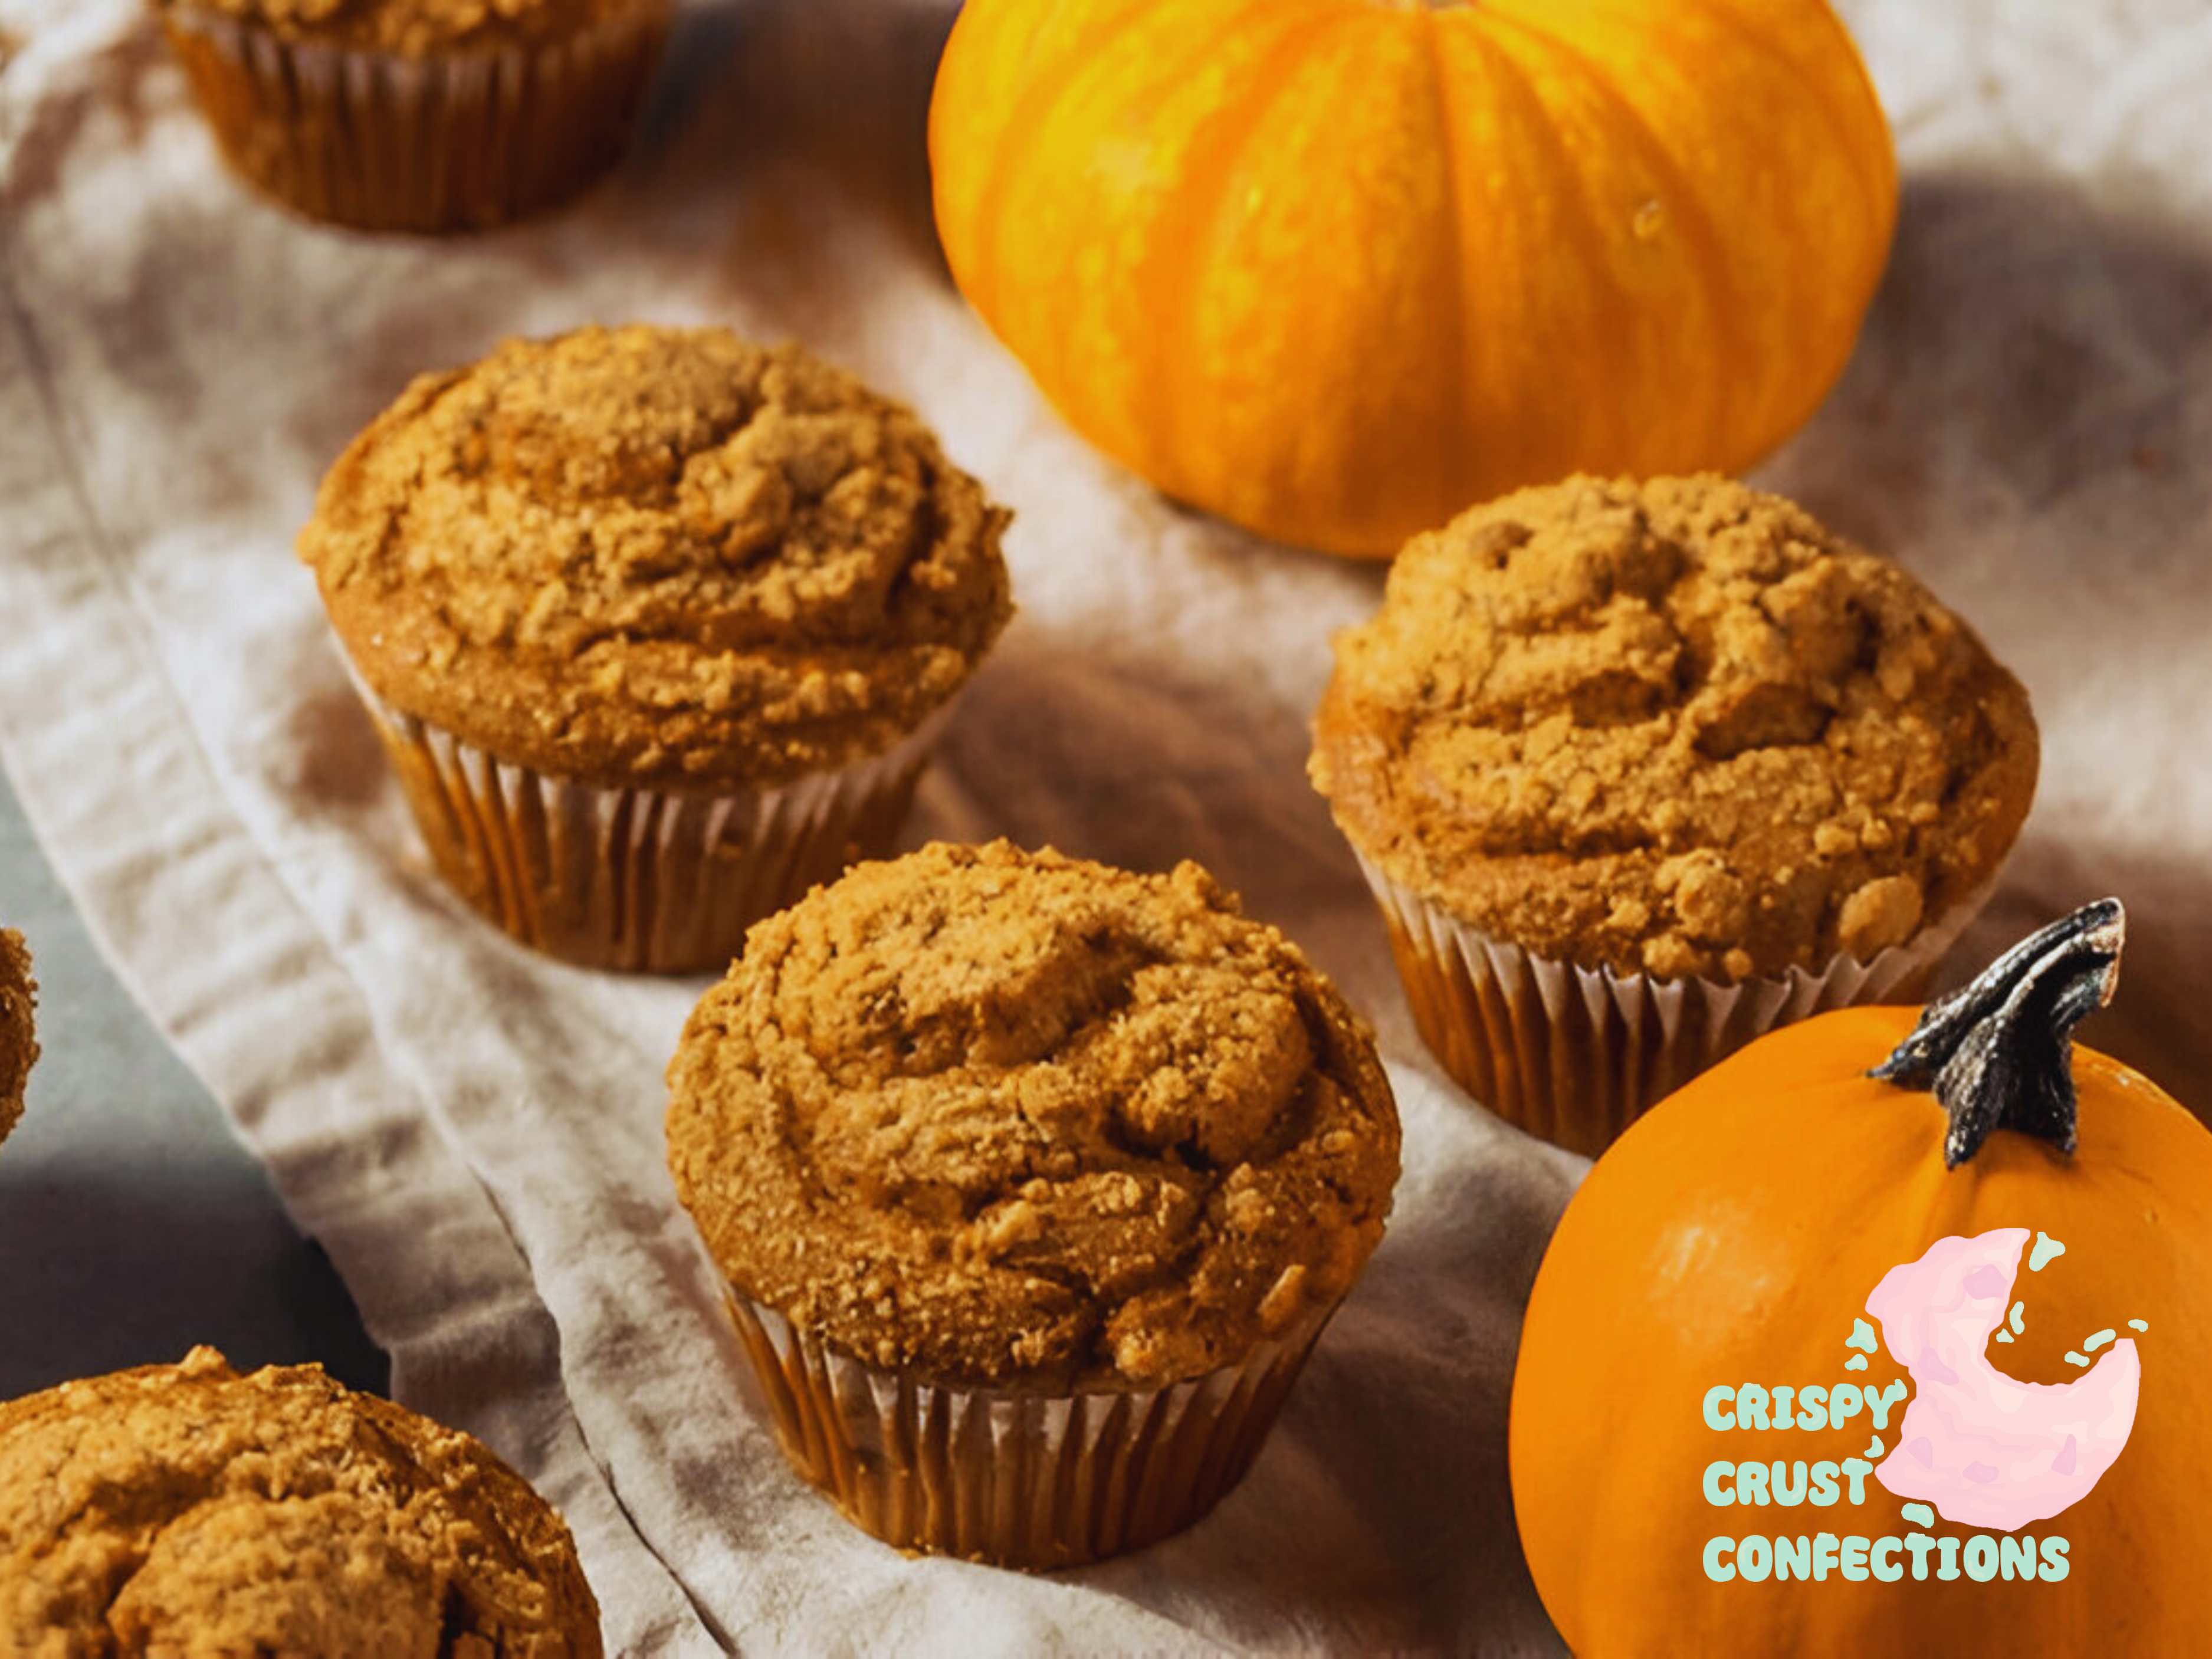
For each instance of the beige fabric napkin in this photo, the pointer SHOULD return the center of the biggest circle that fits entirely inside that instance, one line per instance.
(476, 1134)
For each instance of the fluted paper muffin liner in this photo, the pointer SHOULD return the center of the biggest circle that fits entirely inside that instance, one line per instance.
(460, 139)
(647, 880)
(1575, 1054)
(1018, 1479)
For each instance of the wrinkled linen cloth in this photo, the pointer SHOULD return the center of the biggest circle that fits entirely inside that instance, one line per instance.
(476, 1134)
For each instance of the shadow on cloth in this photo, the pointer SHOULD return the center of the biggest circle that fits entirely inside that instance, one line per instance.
(2026, 349)
(1384, 1495)
(2159, 1023)
(339, 765)
(1063, 743)
(839, 87)
(2020, 425)
(111, 1268)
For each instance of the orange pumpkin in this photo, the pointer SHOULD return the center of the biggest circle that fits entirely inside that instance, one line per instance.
(1335, 269)
(1733, 1237)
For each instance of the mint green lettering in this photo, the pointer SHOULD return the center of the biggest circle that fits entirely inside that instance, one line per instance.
(1751, 1406)
(1718, 1399)
(1824, 1490)
(1789, 1495)
(1826, 1552)
(1813, 1407)
(1854, 1559)
(1878, 1405)
(1716, 1568)
(1793, 1557)
(1855, 1470)
(1755, 1559)
(1750, 1487)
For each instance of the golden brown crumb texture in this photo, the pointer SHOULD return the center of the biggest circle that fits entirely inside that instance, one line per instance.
(1009, 1118)
(1678, 727)
(415, 28)
(660, 556)
(187, 1510)
(18, 1047)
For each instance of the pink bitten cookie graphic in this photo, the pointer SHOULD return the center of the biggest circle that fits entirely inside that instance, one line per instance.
(1985, 1449)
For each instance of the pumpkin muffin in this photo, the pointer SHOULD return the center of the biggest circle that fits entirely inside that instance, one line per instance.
(187, 1510)
(657, 626)
(419, 115)
(1638, 771)
(1063, 1167)
(18, 1045)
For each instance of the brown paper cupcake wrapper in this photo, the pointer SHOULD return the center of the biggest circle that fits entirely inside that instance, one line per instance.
(1033, 1480)
(457, 140)
(1575, 1054)
(647, 880)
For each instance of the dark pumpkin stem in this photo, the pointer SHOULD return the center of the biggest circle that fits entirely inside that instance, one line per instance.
(1999, 1053)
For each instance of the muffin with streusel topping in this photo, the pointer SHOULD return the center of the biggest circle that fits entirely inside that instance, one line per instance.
(658, 627)
(1638, 772)
(419, 115)
(188, 1509)
(1062, 1166)
(18, 1047)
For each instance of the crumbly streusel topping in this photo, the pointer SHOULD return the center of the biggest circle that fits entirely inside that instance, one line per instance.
(186, 1509)
(1678, 727)
(415, 28)
(658, 554)
(1003, 1117)
(19, 1045)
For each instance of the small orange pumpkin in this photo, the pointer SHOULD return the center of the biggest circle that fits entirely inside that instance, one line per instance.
(1733, 1237)
(1335, 269)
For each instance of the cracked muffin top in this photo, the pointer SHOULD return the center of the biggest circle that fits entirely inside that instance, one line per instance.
(658, 556)
(417, 27)
(18, 1045)
(1005, 1118)
(186, 1509)
(1677, 728)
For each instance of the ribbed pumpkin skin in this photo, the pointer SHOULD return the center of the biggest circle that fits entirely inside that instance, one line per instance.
(1338, 268)
(1733, 1235)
